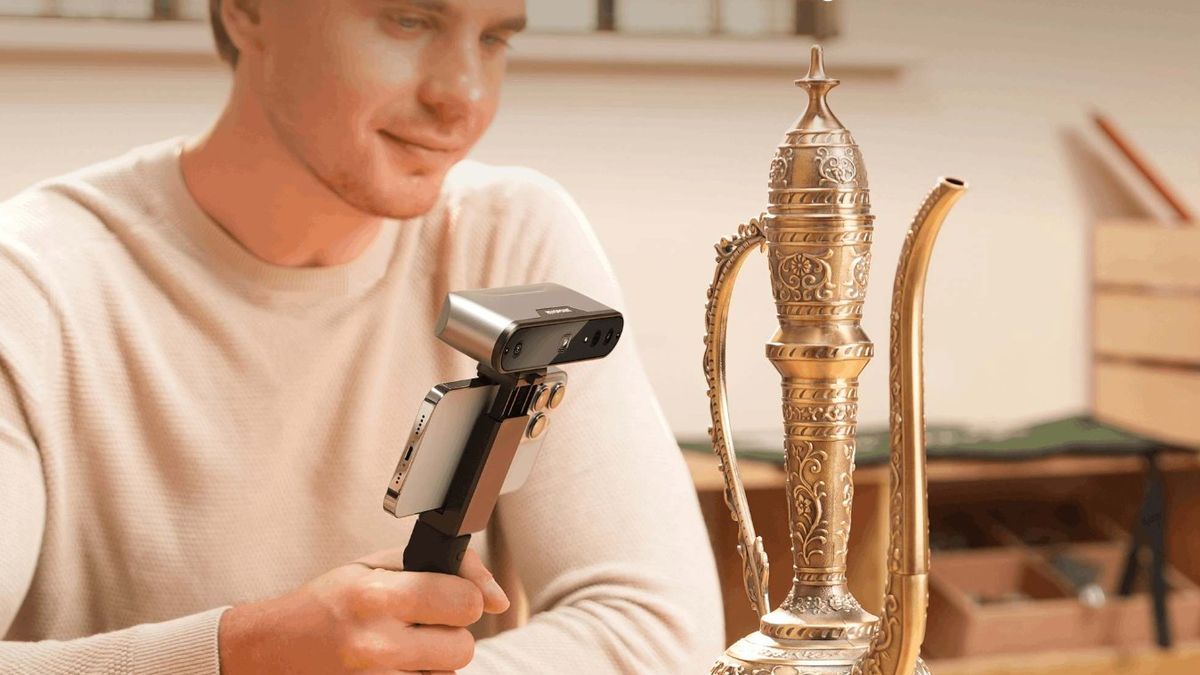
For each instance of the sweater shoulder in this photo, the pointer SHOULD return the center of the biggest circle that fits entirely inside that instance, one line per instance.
(475, 178)
(535, 226)
(508, 195)
(68, 218)
(42, 222)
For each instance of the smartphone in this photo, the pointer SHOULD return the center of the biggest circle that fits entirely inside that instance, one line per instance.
(439, 436)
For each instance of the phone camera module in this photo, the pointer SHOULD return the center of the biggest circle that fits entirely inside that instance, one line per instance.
(518, 348)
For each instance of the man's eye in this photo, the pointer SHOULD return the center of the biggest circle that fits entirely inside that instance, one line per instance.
(490, 40)
(410, 22)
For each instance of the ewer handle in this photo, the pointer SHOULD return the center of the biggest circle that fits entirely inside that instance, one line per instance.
(731, 253)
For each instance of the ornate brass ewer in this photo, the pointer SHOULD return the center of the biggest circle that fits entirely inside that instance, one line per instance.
(817, 233)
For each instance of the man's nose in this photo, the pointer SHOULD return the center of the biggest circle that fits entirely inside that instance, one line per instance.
(454, 84)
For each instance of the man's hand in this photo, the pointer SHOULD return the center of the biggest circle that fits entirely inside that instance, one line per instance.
(367, 616)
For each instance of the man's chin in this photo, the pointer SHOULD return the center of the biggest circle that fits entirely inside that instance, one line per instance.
(406, 197)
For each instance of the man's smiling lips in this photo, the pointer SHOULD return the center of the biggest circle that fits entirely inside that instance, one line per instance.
(416, 145)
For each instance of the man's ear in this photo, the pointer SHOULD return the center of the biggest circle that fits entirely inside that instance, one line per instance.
(242, 24)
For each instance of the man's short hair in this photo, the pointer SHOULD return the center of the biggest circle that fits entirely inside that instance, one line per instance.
(225, 46)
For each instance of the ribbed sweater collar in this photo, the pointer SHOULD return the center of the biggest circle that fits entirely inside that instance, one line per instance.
(210, 242)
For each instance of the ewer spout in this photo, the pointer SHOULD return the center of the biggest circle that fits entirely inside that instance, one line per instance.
(895, 647)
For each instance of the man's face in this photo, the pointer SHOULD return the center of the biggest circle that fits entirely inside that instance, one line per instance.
(379, 98)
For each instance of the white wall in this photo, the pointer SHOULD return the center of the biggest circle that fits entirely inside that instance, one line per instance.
(665, 164)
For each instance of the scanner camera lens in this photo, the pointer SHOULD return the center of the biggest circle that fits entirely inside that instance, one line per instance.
(517, 348)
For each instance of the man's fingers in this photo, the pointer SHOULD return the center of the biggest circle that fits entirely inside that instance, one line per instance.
(426, 597)
(440, 648)
(495, 600)
(418, 598)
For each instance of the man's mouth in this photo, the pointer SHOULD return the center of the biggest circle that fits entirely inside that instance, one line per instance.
(428, 146)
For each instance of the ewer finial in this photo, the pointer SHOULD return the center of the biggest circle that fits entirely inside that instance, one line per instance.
(816, 65)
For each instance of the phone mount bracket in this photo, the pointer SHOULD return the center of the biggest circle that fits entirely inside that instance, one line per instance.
(440, 536)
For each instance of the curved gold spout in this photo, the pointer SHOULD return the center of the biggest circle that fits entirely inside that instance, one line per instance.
(896, 646)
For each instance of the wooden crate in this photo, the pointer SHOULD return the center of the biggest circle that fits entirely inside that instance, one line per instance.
(962, 622)
(1155, 401)
(972, 611)
(1129, 621)
(1146, 329)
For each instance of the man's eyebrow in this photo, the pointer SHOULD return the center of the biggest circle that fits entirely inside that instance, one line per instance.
(431, 5)
(515, 24)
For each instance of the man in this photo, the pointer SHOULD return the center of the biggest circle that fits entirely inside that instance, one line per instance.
(210, 350)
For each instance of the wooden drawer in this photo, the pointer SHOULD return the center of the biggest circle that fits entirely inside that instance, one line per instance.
(1146, 329)
(1154, 401)
(1129, 621)
(968, 614)
(1147, 254)
(973, 610)
(1145, 326)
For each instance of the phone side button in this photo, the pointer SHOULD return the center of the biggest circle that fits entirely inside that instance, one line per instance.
(537, 425)
(540, 397)
(556, 394)
(390, 501)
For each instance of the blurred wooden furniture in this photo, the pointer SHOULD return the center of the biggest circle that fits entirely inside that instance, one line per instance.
(1109, 485)
(1146, 329)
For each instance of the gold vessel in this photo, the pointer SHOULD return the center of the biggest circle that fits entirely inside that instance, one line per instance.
(817, 233)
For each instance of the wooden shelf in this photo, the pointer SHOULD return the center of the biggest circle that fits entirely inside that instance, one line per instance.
(31, 38)
(758, 474)
(1183, 659)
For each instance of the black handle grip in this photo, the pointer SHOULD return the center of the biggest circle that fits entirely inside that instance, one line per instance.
(430, 550)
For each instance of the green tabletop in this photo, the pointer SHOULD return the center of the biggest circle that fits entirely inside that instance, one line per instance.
(1080, 435)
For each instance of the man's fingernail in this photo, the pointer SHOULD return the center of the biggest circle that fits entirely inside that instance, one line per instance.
(493, 589)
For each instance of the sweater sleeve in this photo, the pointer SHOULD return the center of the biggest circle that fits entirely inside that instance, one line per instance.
(28, 369)
(607, 534)
(184, 646)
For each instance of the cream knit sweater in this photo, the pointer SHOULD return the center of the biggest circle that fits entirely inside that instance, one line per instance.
(184, 426)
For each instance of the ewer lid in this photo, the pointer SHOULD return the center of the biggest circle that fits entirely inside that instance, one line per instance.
(818, 168)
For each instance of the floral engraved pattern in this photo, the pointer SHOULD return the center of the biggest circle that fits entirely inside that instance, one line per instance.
(838, 412)
(841, 534)
(835, 168)
(819, 604)
(805, 277)
(781, 168)
(860, 271)
(810, 527)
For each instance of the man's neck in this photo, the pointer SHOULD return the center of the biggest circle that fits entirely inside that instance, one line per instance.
(244, 179)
